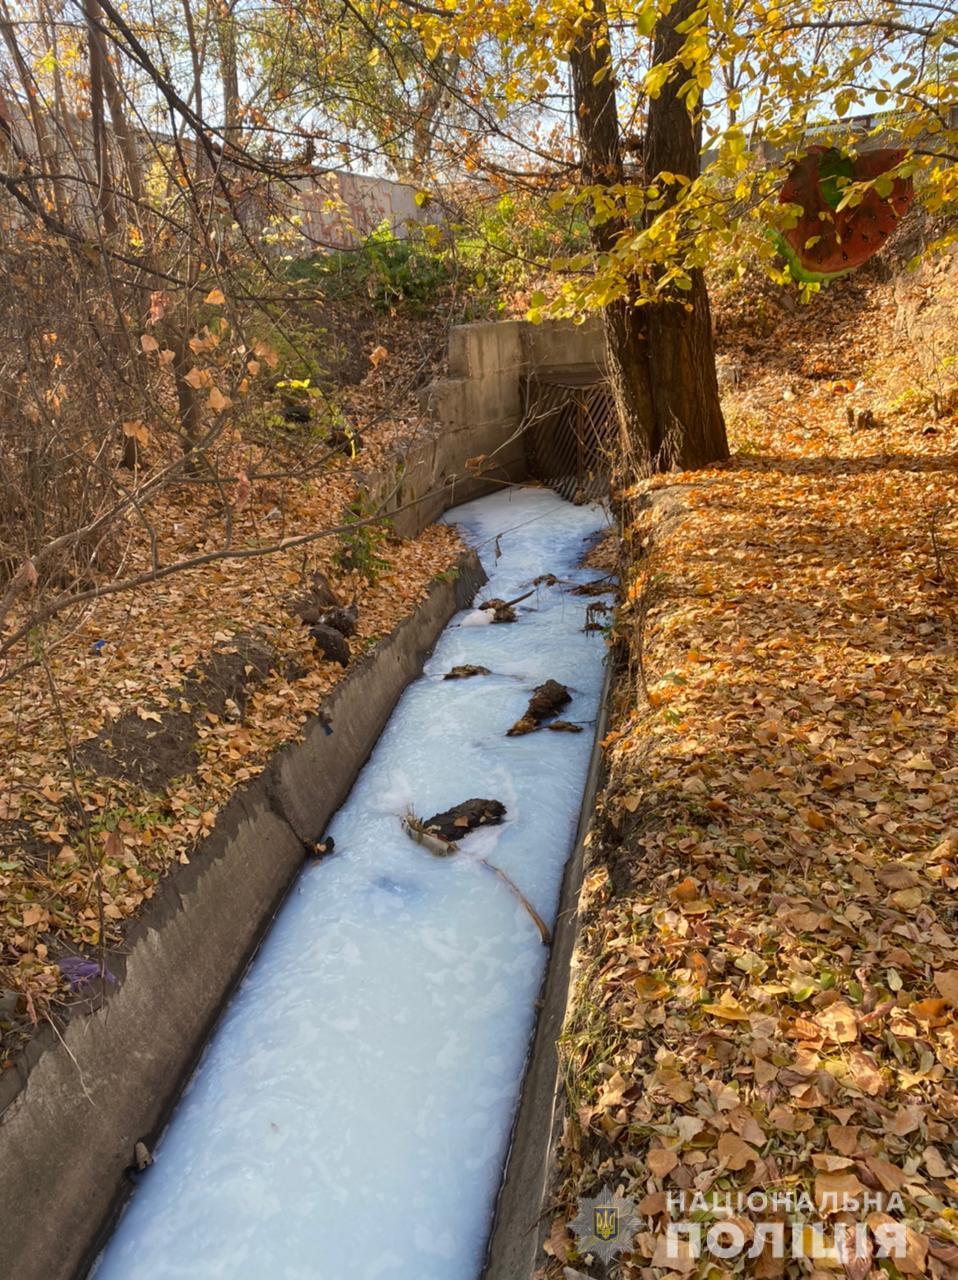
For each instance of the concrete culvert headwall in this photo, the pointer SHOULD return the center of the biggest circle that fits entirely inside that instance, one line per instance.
(521, 401)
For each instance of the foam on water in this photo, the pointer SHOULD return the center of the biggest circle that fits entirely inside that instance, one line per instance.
(350, 1117)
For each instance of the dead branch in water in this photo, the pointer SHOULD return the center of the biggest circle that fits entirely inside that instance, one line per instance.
(413, 827)
(537, 920)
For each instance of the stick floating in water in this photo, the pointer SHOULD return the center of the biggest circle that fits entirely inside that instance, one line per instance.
(440, 848)
(537, 920)
(414, 828)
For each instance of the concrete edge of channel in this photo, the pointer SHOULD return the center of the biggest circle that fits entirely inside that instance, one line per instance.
(519, 1223)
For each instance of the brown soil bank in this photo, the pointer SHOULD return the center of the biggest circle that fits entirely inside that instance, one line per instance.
(76, 1103)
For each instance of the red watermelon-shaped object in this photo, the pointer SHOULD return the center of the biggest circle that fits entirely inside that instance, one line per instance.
(842, 239)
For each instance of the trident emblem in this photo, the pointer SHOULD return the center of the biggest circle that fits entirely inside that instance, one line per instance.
(605, 1221)
(606, 1224)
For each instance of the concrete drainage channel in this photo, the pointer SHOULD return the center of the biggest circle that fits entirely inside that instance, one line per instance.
(77, 1105)
(353, 1111)
(70, 1116)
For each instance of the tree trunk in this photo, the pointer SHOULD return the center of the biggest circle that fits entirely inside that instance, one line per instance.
(187, 396)
(46, 142)
(126, 139)
(195, 98)
(690, 429)
(229, 70)
(105, 194)
(660, 356)
(442, 70)
(593, 87)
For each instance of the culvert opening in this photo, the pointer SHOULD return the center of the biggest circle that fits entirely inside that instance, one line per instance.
(569, 426)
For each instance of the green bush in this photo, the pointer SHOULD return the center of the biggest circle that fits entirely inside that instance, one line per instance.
(360, 544)
(515, 239)
(388, 270)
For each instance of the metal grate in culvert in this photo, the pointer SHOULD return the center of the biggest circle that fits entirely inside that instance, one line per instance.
(570, 432)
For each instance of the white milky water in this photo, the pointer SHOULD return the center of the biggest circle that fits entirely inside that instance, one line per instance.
(351, 1115)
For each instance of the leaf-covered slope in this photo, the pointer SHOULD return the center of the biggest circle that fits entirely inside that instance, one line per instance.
(768, 972)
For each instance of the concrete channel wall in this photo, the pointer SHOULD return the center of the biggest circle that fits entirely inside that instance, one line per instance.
(77, 1102)
(79, 1099)
(475, 443)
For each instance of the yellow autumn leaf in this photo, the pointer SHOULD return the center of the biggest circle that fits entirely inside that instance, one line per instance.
(686, 890)
(838, 1022)
(661, 1161)
(198, 378)
(266, 353)
(919, 762)
(832, 1189)
(906, 899)
(735, 1152)
(727, 1009)
(137, 431)
(648, 987)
